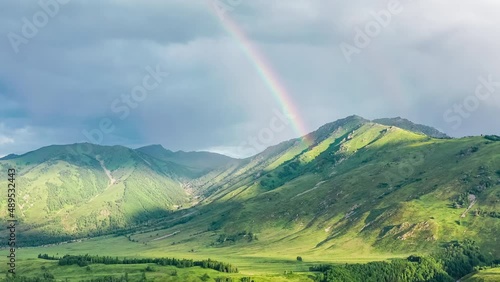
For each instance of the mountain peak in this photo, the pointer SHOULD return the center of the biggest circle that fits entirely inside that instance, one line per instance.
(411, 126)
(155, 147)
(355, 117)
(8, 157)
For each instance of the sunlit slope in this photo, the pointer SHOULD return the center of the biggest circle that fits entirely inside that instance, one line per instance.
(359, 188)
(377, 187)
(275, 157)
(408, 125)
(487, 275)
(63, 191)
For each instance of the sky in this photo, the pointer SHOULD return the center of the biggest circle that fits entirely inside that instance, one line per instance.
(204, 74)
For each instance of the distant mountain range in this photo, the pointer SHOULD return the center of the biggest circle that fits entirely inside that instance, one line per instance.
(388, 183)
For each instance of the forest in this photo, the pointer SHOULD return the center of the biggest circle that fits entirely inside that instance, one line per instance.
(449, 264)
(86, 260)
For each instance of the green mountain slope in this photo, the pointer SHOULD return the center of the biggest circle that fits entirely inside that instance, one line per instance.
(196, 164)
(408, 125)
(364, 184)
(254, 167)
(361, 186)
(63, 191)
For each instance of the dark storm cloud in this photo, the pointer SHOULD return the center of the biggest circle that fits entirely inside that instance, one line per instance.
(65, 79)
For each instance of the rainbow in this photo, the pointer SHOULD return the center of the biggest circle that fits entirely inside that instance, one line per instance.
(266, 73)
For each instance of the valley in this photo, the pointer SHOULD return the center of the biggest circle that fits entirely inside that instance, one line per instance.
(362, 191)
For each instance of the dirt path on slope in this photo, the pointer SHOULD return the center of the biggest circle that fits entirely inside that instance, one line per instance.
(108, 173)
(314, 188)
(166, 236)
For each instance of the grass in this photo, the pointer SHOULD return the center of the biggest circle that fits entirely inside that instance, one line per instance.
(36, 268)
(251, 258)
(488, 275)
(379, 194)
(263, 261)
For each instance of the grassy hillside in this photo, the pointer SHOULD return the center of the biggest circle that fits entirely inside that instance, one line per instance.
(196, 164)
(487, 275)
(363, 191)
(408, 125)
(379, 188)
(137, 272)
(62, 191)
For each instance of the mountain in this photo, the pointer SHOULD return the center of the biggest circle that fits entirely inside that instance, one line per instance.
(360, 187)
(10, 156)
(353, 184)
(198, 163)
(410, 126)
(70, 190)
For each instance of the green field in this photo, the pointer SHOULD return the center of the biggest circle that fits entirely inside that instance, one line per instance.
(36, 268)
(488, 275)
(265, 262)
(251, 260)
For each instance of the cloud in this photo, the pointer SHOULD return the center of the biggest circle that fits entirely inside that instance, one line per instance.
(66, 78)
(5, 140)
(11, 138)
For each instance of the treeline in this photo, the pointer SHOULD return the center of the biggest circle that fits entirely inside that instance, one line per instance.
(17, 278)
(454, 261)
(29, 240)
(47, 277)
(85, 260)
(485, 213)
(412, 269)
(57, 237)
(233, 238)
(460, 258)
(123, 278)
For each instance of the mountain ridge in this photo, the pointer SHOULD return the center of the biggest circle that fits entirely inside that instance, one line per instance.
(359, 180)
(400, 122)
(411, 126)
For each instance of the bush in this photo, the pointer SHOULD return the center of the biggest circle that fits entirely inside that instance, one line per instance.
(492, 137)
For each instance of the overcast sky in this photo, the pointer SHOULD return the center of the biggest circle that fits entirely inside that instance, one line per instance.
(65, 66)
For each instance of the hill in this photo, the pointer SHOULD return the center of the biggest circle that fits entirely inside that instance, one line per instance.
(410, 126)
(197, 163)
(377, 187)
(361, 187)
(65, 192)
(10, 156)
